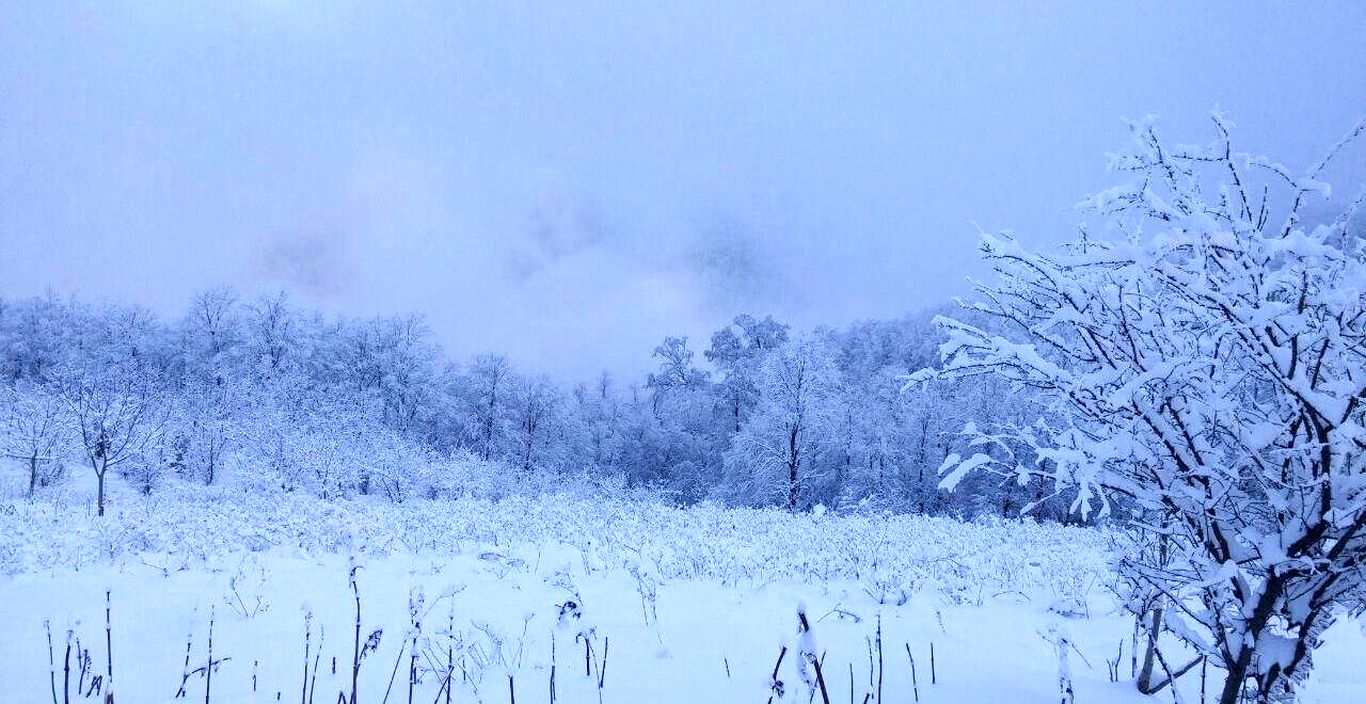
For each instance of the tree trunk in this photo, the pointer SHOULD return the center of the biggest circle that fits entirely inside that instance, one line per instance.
(32, 474)
(100, 491)
(1257, 625)
(1145, 676)
(1237, 674)
(793, 461)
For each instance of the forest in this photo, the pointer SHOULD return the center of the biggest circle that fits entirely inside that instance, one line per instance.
(261, 393)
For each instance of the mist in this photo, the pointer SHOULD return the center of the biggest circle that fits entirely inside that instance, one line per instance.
(568, 184)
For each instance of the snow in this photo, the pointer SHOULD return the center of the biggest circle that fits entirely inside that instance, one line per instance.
(705, 625)
(686, 604)
(958, 468)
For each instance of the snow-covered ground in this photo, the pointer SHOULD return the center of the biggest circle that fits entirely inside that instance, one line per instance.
(679, 605)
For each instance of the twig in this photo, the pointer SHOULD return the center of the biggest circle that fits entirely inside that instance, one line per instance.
(83, 659)
(915, 685)
(415, 601)
(450, 651)
(805, 627)
(308, 642)
(109, 653)
(355, 652)
(402, 645)
(1173, 676)
(445, 689)
(66, 673)
(185, 669)
(51, 661)
(775, 685)
(602, 668)
(1203, 662)
(208, 668)
(313, 682)
(879, 658)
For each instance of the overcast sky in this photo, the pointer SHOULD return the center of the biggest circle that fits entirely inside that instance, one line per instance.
(569, 182)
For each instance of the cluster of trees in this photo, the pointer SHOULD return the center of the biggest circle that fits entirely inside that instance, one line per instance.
(263, 393)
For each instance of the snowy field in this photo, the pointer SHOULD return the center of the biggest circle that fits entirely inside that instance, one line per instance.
(615, 599)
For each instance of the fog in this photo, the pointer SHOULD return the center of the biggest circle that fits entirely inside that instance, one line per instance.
(568, 184)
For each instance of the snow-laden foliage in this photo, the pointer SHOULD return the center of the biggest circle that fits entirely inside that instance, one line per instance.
(34, 429)
(1204, 362)
(964, 561)
(774, 459)
(265, 394)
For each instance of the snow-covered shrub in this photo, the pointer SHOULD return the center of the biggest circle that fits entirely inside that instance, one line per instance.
(1200, 351)
(910, 553)
(145, 471)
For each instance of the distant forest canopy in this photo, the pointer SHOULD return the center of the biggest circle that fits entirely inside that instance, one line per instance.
(265, 395)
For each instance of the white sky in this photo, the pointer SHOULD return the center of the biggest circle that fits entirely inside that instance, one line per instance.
(569, 183)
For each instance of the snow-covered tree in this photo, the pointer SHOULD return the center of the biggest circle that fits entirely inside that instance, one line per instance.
(212, 333)
(271, 333)
(538, 426)
(112, 379)
(773, 458)
(34, 429)
(598, 414)
(396, 467)
(677, 373)
(208, 426)
(35, 334)
(1205, 361)
(116, 415)
(737, 350)
(490, 388)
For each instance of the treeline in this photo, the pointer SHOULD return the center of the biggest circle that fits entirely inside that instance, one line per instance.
(270, 397)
